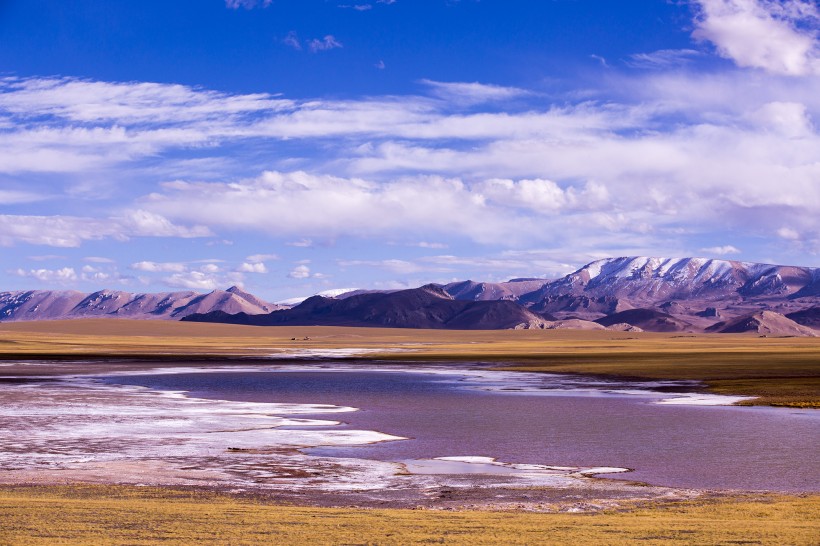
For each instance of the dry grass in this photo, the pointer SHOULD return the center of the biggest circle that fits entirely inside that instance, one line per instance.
(782, 371)
(90, 515)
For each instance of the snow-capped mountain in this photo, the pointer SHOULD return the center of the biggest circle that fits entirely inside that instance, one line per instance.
(645, 278)
(696, 292)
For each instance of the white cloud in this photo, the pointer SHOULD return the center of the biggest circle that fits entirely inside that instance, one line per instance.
(65, 275)
(662, 59)
(537, 194)
(327, 43)
(247, 4)
(276, 202)
(124, 103)
(292, 40)
(257, 267)
(299, 272)
(789, 119)
(425, 244)
(779, 36)
(474, 92)
(141, 223)
(193, 280)
(257, 258)
(154, 267)
(402, 267)
(46, 257)
(13, 197)
(301, 243)
(601, 60)
(721, 250)
(788, 233)
(357, 7)
(741, 152)
(72, 231)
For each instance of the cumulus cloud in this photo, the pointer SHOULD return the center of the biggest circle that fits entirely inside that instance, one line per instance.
(779, 36)
(257, 267)
(154, 267)
(276, 203)
(721, 250)
(193, 280)
(299, 272)
(535, 194)
(788, 233)
(64, 275)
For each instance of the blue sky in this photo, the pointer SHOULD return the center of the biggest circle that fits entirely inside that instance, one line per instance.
(295, 146)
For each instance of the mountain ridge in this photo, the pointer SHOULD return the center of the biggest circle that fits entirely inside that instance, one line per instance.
(23, 305)
(633, 293)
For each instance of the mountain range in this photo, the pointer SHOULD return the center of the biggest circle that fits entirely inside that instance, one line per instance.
(630, 293)
(69, 304)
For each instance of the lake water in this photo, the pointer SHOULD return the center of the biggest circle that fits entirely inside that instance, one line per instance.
(543, 420)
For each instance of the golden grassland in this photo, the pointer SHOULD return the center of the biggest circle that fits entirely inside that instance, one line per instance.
(780, 371)
(90, 515)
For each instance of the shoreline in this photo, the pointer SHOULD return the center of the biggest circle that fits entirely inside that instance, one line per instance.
(540, 485)
(776, 371)
(142, 363)
(281, 457)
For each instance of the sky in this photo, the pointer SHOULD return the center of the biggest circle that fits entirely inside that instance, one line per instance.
(295, 146)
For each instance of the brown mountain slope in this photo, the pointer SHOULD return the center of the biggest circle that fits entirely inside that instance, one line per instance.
(426, 307)
(59, 305)
(767, 323)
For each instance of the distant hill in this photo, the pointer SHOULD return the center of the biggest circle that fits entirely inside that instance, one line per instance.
(67, 304)
(426, 307)
(648, 320)
(766, 323)
(808, 317)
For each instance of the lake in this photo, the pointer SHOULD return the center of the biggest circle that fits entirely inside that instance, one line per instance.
(447, 411)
